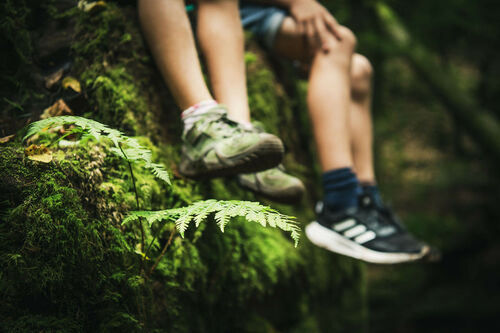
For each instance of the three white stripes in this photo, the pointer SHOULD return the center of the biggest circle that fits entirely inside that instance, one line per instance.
(351, 229)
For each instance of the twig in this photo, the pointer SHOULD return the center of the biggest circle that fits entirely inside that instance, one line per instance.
(163, 251)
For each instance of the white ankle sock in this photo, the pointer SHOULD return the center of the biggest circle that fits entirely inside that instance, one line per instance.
(192, 114)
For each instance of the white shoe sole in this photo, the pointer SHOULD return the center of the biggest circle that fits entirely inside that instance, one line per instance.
(332, 241)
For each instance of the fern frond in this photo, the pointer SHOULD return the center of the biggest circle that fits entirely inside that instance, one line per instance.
(224, 211)
(159, 171)
(209, 207)
(222, 218)
(124, 146)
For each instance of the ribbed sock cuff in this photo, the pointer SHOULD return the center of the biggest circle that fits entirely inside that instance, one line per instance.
(340, 188)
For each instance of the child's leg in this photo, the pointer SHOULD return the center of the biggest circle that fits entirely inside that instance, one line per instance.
(222, 42)
(329, 102)
(360, 119)
(168, 31)
(351, 223)
(329, 95)
(290, 44)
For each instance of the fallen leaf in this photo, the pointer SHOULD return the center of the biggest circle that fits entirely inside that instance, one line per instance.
(39, 153)
(44, 158)
(143, 255)
(59, 108)
(91, 7)
(53, 78)
(7, 138)
(71, 82)
(35, 149)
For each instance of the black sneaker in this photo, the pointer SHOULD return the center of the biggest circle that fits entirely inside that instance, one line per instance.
(368, 200)
(364, 233)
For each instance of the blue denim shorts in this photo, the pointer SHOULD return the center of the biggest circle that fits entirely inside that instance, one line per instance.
(263, 21)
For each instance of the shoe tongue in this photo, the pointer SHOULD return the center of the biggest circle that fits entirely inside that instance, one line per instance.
(218, 110)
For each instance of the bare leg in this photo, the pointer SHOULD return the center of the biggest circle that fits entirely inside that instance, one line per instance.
(329, 95)
(168, 31)
(360, 119)
(222, 42)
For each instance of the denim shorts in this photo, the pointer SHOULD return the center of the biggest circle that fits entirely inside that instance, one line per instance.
(263, 21)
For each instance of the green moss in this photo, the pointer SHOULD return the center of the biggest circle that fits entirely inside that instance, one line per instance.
(71, 266)
(57, 258)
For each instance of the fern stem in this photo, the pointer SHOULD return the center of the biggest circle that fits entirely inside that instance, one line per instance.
(136, 195)
(149, 246)
(169, 241)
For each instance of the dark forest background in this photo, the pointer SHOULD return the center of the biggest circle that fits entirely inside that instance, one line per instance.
(442, 177)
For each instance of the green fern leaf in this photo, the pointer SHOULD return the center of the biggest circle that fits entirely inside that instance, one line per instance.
(221, 217)
(209, 207)
(124, 146)
(223, 211)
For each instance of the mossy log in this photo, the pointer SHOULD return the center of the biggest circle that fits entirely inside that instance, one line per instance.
(68, 265)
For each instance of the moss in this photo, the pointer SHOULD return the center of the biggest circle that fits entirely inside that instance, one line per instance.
(57, 258)
(119, 76)
(71, 266)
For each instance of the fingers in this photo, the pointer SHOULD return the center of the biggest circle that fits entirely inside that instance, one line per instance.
(317, 29)
(332, 25)
(321, 32)
(311, 35)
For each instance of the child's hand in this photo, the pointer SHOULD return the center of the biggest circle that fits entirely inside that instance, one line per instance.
(314, 22)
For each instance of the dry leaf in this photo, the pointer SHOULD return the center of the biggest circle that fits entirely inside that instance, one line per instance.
(91, 6)
(71, 82)
(38, 153)
(53, 78)
(45, 158)
(35, 149)
(7, 138)
(59, 108)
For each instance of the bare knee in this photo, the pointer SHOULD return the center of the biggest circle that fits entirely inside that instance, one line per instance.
(341, 47)
(361, 67)
(344, 40)
(347, 39)
(361, 74)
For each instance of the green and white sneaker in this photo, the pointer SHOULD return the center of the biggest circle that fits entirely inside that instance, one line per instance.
(274, 184)
(216, 146)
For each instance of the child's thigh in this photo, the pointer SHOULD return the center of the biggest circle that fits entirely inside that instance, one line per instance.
(290, 43)
(274, 29)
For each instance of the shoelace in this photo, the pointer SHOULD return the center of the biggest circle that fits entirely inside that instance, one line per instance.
(379, 219)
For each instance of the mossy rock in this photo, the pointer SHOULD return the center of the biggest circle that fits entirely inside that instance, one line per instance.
(69, 265)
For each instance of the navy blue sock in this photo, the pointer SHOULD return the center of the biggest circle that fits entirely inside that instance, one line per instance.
(372, 191)
(340, 188)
